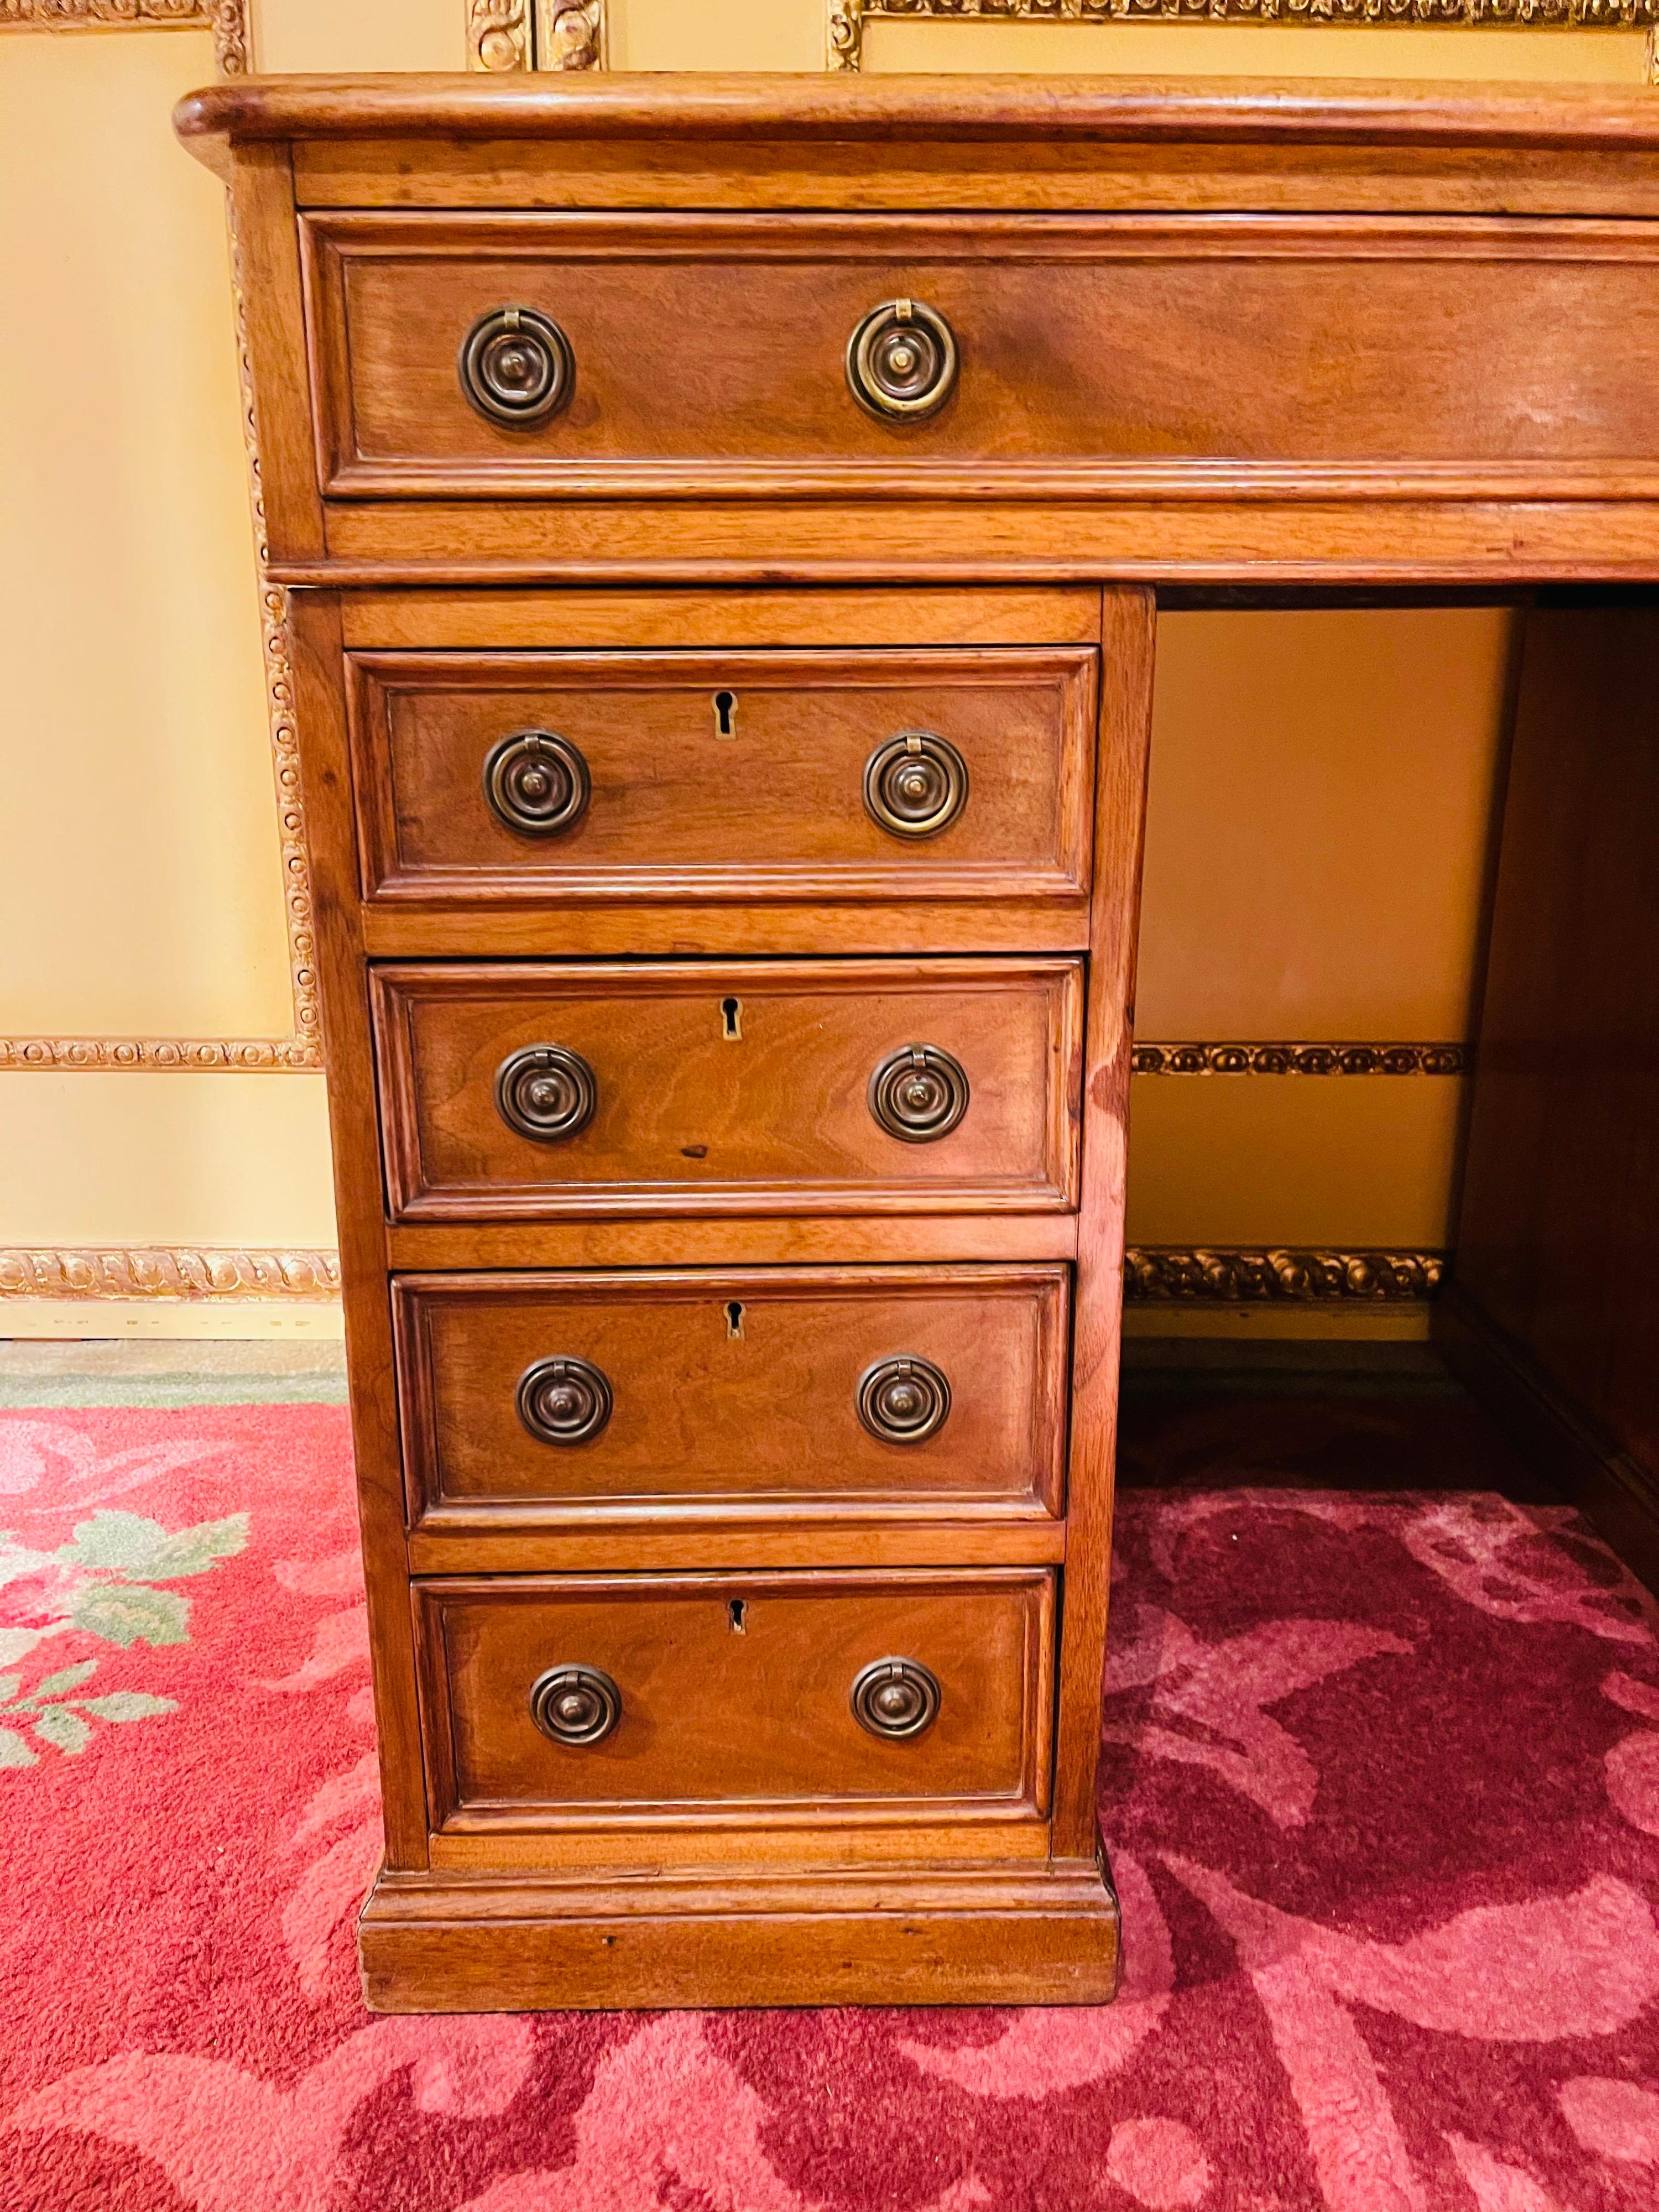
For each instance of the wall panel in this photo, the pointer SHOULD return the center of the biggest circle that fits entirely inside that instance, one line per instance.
(1316, 845)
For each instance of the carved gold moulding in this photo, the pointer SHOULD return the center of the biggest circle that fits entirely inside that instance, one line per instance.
(1300, 1059)
(848, 18)
(1204, 1276)
(226, 19)
(535, 34)
(143, 1272)
(1152, 1275)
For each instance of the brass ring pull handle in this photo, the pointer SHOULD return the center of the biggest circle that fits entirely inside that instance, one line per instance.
(546, 1093)
(537, 783)
(517, 368)
(919, 1093)
(564, 1401)
(916, 785)
(895, 1697)
(576, 1704)
(903, 1400)
(902, 361)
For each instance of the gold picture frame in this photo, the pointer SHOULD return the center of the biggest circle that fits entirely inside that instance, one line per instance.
(534, 34)
(847, 18)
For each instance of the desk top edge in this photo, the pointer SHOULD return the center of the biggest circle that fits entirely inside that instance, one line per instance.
(1003, 109)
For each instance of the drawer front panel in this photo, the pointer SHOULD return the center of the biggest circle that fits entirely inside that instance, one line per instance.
(732, 1699)
(710, 352)
(726, 775)
(740, 1087)
(748, 1389)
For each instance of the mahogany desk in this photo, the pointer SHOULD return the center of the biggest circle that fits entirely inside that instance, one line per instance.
(724, 520)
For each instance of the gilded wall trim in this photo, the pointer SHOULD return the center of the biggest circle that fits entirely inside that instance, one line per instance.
(1300, 1059)
(848, 17)
(104, 14)
(301, 1051)
(227, 19)
(535, 34)
(146, 1272)
(1153, 1275)
(1167, 1275)
(158, 1056)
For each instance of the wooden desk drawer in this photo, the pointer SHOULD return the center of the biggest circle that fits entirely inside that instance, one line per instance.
(741, 1087)
(516, 779)
(752, 1389)
(727, 1698)
(709, 351)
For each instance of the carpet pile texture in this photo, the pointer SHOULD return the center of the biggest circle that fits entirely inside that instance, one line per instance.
(1382, 1793)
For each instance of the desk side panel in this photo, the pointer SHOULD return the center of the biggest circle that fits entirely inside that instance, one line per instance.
(1555, 1315)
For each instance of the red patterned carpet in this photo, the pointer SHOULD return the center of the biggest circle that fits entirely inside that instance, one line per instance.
(1383, 1795)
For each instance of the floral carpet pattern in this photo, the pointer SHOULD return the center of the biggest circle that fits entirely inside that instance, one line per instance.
(1382, 1793)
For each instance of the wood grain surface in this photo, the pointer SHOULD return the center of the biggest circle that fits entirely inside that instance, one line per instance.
(1441, 343)
(1560, 1209)
(740, 1718)
(1212, 336)
(761, 796)
(738, 1387)
(691, 1119)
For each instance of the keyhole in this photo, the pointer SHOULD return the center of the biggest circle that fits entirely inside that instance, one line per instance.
(732, 1015)
(726, 713)
(734, 1318)
(737, 1615)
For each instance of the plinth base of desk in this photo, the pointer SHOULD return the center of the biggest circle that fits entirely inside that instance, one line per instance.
(954, 1936)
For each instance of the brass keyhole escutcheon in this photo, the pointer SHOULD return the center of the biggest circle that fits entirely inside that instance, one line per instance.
(904, 1399)
(537, 783)
(919, 1093)
(546, 1092)
(517, 368)
(915, 784)
(576, 1704)
(895, 1697)
(726, 713)
(564, 1401)
(902, 361)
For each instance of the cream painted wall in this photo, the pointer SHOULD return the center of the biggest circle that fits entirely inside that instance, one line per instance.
(142, 892)
(340, 36)
(1321, 785)
(1319, 788)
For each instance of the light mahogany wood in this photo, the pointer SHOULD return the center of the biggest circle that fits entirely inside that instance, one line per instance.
(1212, 336)
(1128, 627)
(665, 1535)
(782, 1241)
(267, 255)
(342, 977)
(1504, 526)
(1371, 117)
(1003, 1933)
(1074, 333)
(690, 1118)
(724, 776)
(763, 928)
(1556, 1283)
(734, 1388)
(569, 1854)
(929, 143)
(576, 620)
(736, 1699)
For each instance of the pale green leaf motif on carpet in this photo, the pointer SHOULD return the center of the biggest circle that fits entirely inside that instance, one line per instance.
(147, 1552)
(102, 1583)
